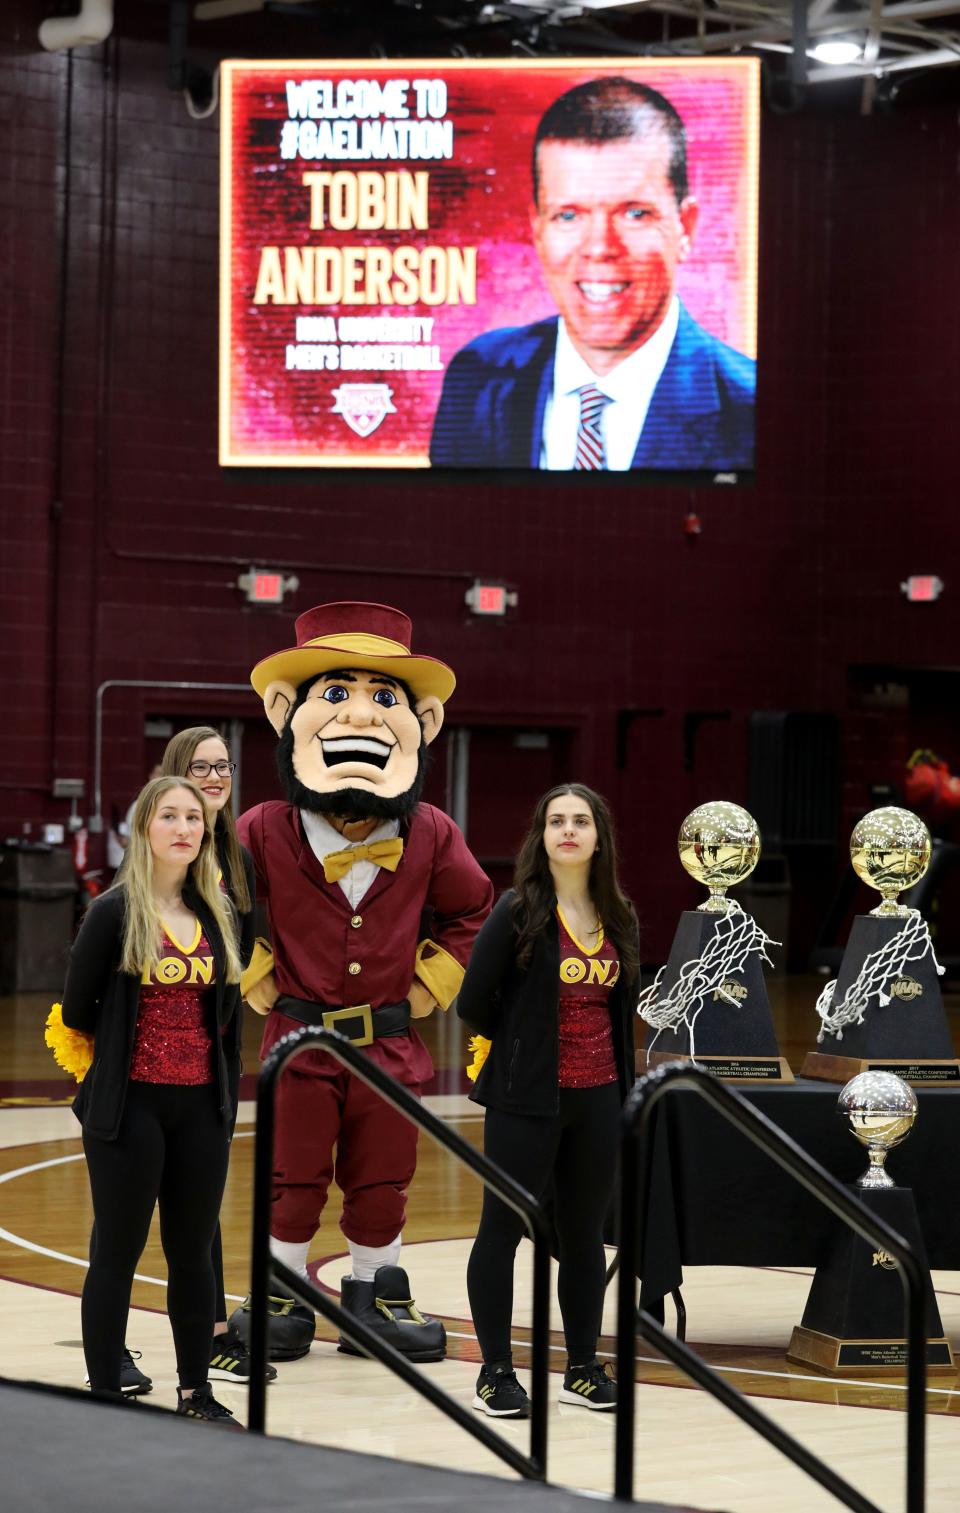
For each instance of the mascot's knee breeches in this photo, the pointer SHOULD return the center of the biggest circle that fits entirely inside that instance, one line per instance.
(322, 1108)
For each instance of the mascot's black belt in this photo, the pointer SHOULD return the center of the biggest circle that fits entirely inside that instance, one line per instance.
(361, 1023)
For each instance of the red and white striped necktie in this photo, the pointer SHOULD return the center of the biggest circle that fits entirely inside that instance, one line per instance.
(590, 452)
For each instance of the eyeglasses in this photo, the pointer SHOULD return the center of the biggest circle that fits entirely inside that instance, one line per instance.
(203, 769)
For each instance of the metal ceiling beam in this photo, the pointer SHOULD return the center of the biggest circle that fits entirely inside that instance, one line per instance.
(775, 31)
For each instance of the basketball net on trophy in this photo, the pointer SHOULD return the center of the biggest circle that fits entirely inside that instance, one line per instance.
(885, 1005)
(709, 1002)
(887, 965)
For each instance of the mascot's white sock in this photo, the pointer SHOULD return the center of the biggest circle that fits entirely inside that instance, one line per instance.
(292, 1253)
(366, 1258)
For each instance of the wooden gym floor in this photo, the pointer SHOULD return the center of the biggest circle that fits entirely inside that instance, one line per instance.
(689, 1450)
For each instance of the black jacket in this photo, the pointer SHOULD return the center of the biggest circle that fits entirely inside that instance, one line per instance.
(101, 1000)
(518, 1011)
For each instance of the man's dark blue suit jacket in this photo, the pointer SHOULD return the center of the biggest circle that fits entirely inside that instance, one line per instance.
(496, 389)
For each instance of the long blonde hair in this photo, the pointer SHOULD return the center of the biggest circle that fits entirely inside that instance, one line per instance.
(176, 763)
(142, 923)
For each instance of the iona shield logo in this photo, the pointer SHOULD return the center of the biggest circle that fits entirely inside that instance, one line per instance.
(363, 406)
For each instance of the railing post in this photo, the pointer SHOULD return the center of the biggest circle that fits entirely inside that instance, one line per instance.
(263, 1267)
(626, 1312)
(260, 1245)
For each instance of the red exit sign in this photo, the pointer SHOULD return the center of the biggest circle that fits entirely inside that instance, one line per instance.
(268, 588)
(922, 588)
(266, 585)
(490, 598)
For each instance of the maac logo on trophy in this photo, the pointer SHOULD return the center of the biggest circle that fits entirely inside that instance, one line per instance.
(906, 988)
(884, 1259)
(728, 990)
(363, 406)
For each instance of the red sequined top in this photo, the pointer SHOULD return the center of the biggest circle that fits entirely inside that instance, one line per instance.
(586, 1037)
(172, 1042)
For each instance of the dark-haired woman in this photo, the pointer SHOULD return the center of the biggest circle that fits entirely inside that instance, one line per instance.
(552, 984)
(200, 753)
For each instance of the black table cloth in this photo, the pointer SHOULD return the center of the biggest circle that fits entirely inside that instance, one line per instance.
(717, 1200)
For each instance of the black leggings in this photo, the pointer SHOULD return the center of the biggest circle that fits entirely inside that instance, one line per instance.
(216, 1261)
(172, 1147)
(577, 1147)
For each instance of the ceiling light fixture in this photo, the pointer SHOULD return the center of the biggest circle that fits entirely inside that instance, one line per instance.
(838, 52)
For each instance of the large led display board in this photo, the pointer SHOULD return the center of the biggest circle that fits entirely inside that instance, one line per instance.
(461, 264)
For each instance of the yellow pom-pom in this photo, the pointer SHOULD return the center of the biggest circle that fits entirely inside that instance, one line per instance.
(481, 1050)
(72, 1049)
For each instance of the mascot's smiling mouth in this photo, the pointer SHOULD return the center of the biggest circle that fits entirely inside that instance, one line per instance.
(356, 749)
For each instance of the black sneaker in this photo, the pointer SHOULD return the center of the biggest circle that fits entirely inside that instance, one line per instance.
(133, 1382)
(500, 1394)
(230, 1361)
(201, 1404)
(590, 1386)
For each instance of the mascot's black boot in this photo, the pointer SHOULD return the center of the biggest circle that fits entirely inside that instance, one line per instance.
(385, 1306)
(290, 1326)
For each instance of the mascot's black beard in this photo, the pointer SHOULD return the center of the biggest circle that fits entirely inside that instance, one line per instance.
(347, 803)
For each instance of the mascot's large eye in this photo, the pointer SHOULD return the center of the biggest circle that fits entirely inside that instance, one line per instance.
(336, 693)
(386, 697)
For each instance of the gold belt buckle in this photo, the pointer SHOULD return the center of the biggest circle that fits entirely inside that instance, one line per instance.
(331, 1016)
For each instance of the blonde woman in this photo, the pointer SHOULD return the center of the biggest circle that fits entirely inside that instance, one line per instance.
(153, 978)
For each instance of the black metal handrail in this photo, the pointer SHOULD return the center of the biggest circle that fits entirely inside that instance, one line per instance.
(264, 1265)
(634, 1186)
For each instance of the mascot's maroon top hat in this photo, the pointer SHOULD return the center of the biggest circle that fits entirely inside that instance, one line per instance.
(372, 637)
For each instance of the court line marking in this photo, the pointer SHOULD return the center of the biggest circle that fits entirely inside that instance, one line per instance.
(233, 1297)
(60, 1255)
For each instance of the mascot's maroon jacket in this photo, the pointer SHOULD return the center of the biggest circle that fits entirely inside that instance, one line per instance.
(316, 934)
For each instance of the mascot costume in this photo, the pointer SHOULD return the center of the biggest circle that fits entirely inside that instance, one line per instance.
(374, 902)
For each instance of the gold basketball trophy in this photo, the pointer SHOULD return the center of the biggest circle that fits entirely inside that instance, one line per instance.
(890, 851)
(853, 1320)
(885, 1010)
(719, 845)
(709, 1003)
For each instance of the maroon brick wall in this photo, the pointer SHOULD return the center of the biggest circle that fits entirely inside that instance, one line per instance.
(121, 539)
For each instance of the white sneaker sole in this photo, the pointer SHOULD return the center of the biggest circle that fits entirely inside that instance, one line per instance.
(478, 1402)
(137, 1390)
(579, 1401)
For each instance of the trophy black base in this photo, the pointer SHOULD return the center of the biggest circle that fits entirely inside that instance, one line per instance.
(733, 1035)
(919, 1072)
(853, 1319)
(909, 1035)
(827, 1352)
(729, 1068)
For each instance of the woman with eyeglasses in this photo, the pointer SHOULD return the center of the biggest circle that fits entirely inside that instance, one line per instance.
(200, 753)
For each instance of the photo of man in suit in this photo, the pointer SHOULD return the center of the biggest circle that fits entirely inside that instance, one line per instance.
(624, 377)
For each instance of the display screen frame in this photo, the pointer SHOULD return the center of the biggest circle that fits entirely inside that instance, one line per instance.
(257, 452)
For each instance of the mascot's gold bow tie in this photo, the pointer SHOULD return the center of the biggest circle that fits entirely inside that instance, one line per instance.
(337, 864)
